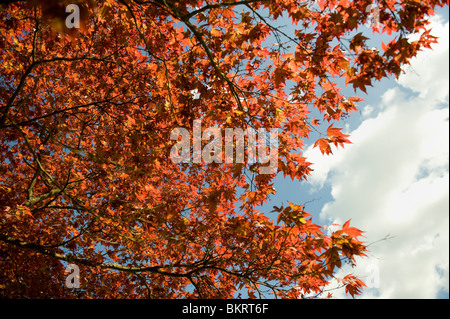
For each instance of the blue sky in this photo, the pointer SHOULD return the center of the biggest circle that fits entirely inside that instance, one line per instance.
(393, 180)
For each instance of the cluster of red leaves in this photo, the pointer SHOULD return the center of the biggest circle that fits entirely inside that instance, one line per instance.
(85, 124)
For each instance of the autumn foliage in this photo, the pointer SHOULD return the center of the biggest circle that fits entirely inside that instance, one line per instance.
(85, 122)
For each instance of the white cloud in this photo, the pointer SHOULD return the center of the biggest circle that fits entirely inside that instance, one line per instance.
(431, 67)
(394, 180)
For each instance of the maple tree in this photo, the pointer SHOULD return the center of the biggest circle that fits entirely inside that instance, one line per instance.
(85, 123)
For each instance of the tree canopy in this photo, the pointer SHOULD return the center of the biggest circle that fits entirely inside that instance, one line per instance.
(86, 116)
